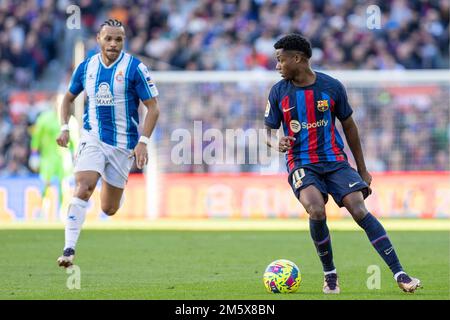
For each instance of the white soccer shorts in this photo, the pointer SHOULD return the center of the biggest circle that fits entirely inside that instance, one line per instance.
(112, 163)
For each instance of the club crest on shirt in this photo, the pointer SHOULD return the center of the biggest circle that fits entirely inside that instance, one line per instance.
(104, 97)
(322, 105)
(119, 76)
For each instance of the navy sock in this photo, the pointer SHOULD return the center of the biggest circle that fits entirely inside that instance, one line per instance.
(322, 241)
(380, 241)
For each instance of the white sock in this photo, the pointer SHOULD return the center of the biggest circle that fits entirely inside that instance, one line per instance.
(328, 272)
(75, 219)
(397, 274)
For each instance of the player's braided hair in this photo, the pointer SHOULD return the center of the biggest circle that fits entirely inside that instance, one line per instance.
(111, 23)
(296, 42)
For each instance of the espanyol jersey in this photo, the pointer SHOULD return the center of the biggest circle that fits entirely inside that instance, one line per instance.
(309, 114)
(113, 95)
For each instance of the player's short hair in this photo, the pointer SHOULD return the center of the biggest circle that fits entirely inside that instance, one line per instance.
(111, 23)
(296, 42)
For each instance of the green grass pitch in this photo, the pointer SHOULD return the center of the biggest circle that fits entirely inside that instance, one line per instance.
(146, 264)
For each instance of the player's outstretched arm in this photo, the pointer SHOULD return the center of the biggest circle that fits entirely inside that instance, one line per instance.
(140, 151)
(352, 136)
(64, 136)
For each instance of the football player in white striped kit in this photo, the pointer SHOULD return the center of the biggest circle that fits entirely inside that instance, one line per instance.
(114, 82)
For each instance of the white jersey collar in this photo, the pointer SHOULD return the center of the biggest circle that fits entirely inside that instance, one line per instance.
(112, 64)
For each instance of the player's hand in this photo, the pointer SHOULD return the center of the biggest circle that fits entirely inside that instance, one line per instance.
(365, 175)
(285, 143)
(141, 155)
(63, 138)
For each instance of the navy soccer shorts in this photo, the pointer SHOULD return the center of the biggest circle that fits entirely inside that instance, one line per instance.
(335, 178)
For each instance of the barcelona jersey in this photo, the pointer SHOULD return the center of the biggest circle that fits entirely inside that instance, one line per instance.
(308, 114)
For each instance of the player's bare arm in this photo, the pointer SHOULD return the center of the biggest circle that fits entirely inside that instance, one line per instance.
(64, 137)
(140, 151)
(352, 136)
(282, 145)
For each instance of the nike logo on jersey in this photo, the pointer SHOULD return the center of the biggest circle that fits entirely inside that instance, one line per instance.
(388, 251)
(286, 110)
(350, 185)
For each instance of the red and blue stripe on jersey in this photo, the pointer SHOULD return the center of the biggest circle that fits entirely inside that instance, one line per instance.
(288, 116)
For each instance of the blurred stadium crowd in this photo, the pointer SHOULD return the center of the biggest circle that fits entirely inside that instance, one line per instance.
(239, 35)
(233, 34)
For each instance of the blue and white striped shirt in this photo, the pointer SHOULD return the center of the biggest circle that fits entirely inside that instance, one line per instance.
(113, 97)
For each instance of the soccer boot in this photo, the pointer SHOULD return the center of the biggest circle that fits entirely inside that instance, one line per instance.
(66, 260)
(408, 284)
(331, 284)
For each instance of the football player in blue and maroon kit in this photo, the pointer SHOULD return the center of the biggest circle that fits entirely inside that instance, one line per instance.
(306, 103)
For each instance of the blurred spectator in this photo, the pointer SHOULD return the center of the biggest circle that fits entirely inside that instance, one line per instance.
(14, 149)
(256, 60)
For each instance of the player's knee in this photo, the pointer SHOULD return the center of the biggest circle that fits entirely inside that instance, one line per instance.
(316, 212)
(109, 209)
(84, 190)
(358, 211)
